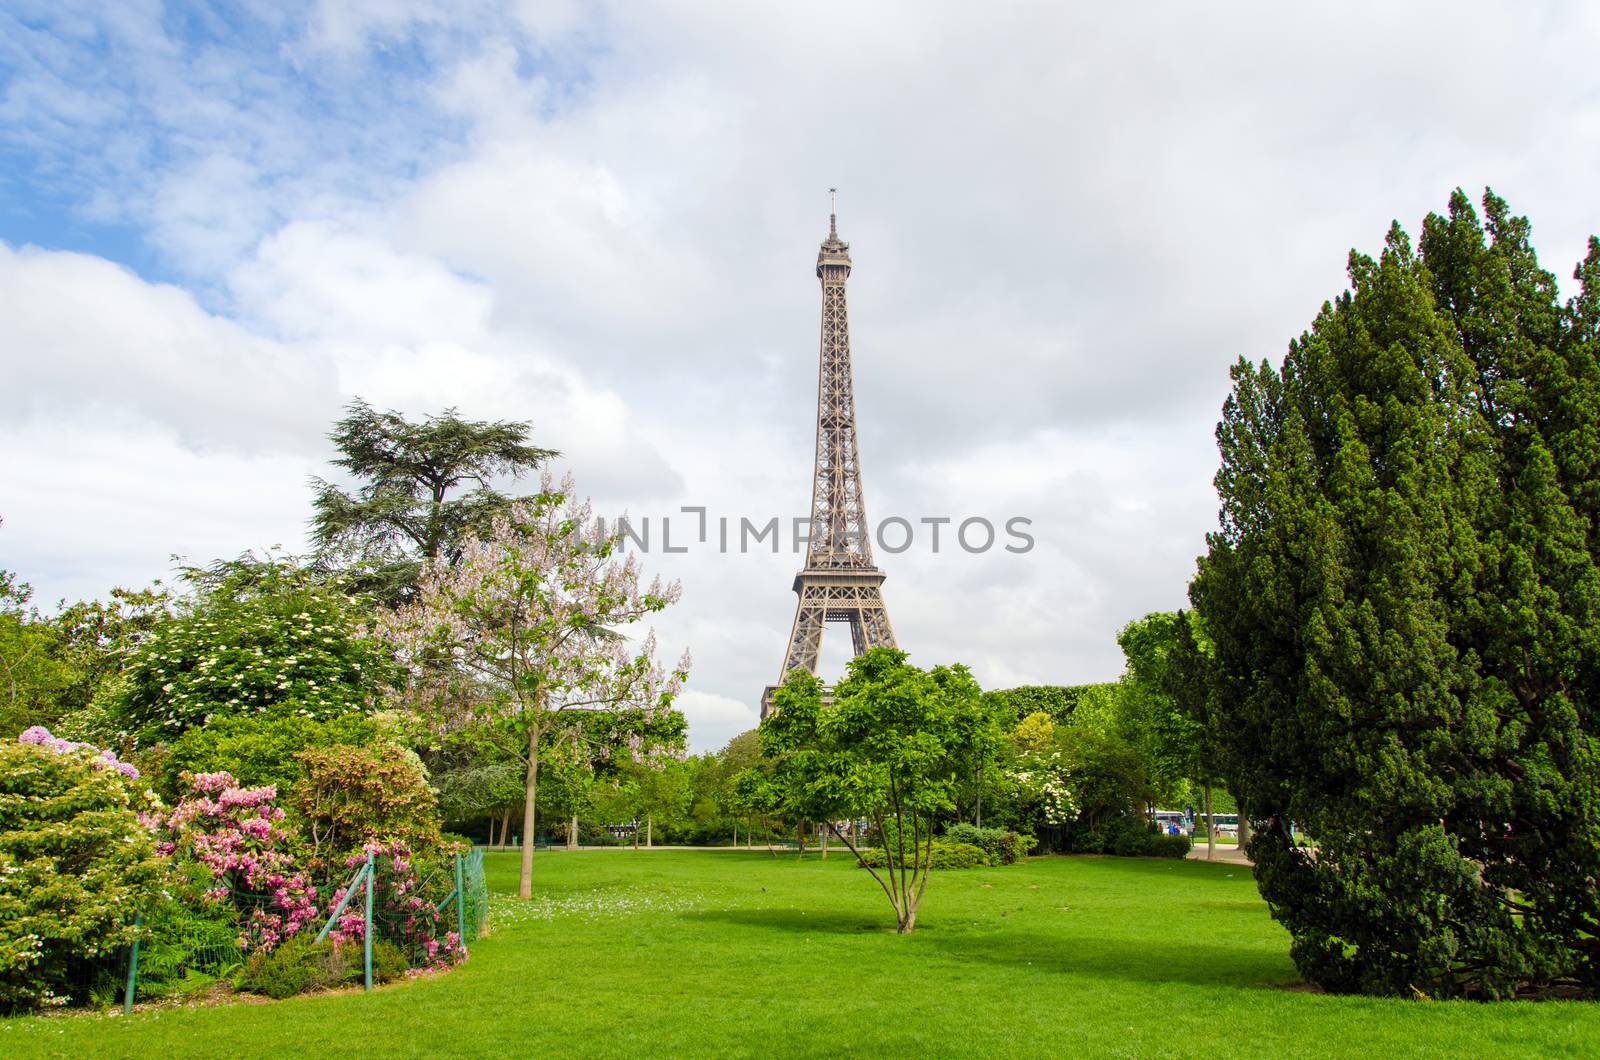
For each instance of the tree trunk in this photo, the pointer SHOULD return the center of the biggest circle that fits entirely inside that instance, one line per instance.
(1244, 829)
(530, 794)
(649, 830)
(800, 834)
(572, 833)
(749, 835)
(824, 844)
(1211, 831)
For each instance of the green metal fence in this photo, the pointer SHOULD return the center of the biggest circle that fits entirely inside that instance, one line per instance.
(178, 950)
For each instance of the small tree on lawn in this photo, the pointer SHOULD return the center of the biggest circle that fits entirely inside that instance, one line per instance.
(529, 614)
(893, 745)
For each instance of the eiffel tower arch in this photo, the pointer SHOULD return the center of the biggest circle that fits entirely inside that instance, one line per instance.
(839, 582)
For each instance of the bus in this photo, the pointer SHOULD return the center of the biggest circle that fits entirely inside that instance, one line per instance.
(1225, 823)
(1173, 822)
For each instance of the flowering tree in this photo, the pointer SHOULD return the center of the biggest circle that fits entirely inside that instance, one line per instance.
(528, 615)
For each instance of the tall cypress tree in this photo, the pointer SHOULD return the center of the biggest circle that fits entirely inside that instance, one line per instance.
(1405, 604)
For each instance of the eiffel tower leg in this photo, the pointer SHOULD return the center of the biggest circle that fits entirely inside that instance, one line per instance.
(873, 618)
(858, 632)
(805, 640)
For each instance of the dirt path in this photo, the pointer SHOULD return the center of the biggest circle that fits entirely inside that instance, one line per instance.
(1222, 855)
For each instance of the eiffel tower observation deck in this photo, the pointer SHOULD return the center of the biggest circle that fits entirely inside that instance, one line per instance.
(839, 582)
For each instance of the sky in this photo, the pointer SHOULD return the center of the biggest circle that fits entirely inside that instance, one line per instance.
(219, 223)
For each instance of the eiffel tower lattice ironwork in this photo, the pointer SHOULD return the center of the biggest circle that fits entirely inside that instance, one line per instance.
(839, 582)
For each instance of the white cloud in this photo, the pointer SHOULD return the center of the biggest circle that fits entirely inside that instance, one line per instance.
(88, 342)
(1066, 224)
(89, 506)
(713, 719)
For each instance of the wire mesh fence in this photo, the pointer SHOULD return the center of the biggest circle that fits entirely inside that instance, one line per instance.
(430, 913)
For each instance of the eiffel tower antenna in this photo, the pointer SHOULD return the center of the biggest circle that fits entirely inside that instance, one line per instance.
(839, 582)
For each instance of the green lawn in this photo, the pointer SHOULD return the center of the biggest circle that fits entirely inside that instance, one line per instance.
(665, 953)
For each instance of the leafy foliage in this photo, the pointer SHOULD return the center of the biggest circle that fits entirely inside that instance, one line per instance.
(257, 749)
(260, 635)
(75, 865)
(1405, 605)
(1129, 836)
(35, 671)
(945, 855)
(189, 943)
(404, 513)
(893, 745)
(999, 845)
(302, 965)
(1056, 701)
(351, 797)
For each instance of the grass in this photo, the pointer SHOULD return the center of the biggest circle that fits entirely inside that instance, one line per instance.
(729, 953)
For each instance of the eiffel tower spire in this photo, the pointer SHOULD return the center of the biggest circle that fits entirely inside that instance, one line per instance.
(839, 582)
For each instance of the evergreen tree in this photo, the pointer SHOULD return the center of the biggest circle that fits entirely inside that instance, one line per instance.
(407, 509)
(1405, 606)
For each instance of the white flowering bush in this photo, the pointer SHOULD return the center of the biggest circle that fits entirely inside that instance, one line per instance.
(76, 865)
(1043, 782)
(269, 635)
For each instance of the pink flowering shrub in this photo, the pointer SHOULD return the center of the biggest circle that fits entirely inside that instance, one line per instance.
(107, 759)
(404, 907)
(236, 833)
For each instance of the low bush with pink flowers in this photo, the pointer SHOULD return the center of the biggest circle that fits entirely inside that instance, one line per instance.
(237, 833)
(86, 847)
(259, 864)
(405, 910)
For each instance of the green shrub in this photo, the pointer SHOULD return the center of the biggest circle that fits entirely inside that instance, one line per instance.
(1003, 847)
(261, 634)
(958, 856)
(1058, 701)
(75, 865)
(1128, 837)
(301, 965)
(189, 942)
(1170, 846)
(257, 749)
(388, 962)
(946, 855)
(352, 796)
(286, 971)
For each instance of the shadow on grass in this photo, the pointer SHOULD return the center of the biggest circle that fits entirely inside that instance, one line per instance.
(1127, 958)
(1134, 960)
(805, 922)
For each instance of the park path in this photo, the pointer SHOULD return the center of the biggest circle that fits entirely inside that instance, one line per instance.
(1223, 855)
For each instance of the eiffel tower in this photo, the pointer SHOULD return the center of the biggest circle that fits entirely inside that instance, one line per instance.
(839, 582)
